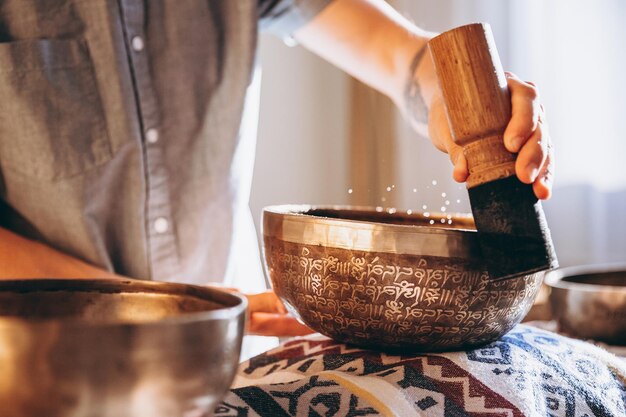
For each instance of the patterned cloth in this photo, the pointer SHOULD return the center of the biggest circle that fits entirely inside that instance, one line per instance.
(528, 372)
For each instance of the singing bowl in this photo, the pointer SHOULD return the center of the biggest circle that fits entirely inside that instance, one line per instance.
(390, 280)
(589, 302)
(109, 348)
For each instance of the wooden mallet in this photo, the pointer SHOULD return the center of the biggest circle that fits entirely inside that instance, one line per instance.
(512, 228)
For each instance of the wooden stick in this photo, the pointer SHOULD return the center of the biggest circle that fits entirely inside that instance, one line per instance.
(477, 99)
(514, 235)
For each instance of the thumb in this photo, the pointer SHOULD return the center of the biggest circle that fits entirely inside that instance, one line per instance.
(460, 172)
(441, 137)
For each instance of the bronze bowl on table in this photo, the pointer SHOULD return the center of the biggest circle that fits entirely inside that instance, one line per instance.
(109, 348)
(389, 280)
(589, 302)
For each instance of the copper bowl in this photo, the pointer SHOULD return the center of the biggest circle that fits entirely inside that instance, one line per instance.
(110, 348)
(589, 302)
(390, 280)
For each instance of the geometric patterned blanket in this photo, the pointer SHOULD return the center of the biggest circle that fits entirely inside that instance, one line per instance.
(528, 372)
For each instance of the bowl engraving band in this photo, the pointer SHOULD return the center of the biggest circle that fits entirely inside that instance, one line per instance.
(416, 302)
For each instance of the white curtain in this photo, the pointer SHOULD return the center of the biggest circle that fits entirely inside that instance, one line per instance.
(575, 50)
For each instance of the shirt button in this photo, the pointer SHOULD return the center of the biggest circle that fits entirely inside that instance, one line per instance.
(152, 135)
(161, 225)
(137, 43)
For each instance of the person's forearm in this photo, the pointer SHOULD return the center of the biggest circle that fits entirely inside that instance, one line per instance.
(24, 258)
(375, 44)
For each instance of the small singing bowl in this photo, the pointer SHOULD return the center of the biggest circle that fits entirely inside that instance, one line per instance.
(110, 348)
(589, 302)
(390, 280)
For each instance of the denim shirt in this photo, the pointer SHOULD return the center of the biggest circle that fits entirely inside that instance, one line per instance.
(120, 127)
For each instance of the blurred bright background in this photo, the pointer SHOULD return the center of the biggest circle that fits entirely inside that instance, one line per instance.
(313, 117)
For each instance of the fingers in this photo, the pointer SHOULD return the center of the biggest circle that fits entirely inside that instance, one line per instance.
(527, 135)
(535, 163)
(268, 317)
(266, 302)
(268, 324)
(543, 185)
(525, 113)
(532, 157)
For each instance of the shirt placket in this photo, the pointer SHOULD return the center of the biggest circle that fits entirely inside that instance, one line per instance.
(160, 228)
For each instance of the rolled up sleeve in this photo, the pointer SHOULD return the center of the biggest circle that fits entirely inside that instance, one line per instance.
(284, 17)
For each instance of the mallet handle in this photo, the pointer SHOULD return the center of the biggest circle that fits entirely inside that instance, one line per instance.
(477, 99)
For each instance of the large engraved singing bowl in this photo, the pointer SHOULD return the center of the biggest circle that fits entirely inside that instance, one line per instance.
(388, 280)
(108, 348)
(589, 302)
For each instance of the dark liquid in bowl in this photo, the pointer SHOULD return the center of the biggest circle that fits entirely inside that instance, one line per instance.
(615, 279)
(403, 219)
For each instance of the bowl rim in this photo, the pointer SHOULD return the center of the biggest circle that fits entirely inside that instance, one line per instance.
(238, 302)
(297, 211)
(556, 278)
(289, 223)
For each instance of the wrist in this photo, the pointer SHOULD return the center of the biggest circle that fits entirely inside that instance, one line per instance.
(418, 87)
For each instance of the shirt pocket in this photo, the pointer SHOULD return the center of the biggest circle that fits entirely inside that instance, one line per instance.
(51, 121)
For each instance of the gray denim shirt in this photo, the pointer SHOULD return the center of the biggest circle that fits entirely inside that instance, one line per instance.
(120, 127)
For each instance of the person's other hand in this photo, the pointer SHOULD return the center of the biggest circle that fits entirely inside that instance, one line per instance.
(267, 316)
(526, 134)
